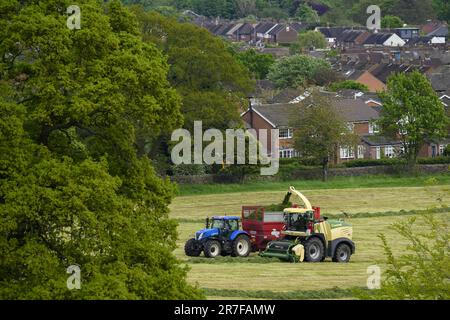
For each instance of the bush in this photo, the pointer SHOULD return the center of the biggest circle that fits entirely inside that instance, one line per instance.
(374, 162)
(436, 160)
(421, 272)
(189, 169)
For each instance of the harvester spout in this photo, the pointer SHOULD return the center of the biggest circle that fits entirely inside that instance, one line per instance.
(302, 197)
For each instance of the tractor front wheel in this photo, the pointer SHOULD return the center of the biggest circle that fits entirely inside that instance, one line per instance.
(212, 248)
(342, 253)
(242, 246)
(314, 251)
(192, 248)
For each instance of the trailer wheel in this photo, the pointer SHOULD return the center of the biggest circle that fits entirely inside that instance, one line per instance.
(242, 246)
(314, 251)
(192, 248)
(212, 248)
(342, 253)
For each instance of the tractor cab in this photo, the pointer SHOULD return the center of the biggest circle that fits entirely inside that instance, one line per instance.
(223, 224)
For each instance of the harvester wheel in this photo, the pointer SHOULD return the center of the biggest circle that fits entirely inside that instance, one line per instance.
(314, 250)
(192, 248)
(241, 246)
(342, 253)
(212, 248)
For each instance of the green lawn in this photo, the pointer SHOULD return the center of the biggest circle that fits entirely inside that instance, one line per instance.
(370, 181)
(261, 279)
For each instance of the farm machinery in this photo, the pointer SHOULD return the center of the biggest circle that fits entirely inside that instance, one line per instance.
(288, 232)
(309, 237)
(221, 236)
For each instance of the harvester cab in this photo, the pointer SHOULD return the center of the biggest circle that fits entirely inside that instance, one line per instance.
(307, 236)
(221, 236)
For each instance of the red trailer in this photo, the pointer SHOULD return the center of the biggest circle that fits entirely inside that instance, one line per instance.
(262, 226)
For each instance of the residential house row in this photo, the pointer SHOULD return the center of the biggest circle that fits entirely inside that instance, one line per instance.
(430, 34)
(361, 116)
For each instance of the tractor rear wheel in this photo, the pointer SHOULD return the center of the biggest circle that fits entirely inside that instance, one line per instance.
(242, 246)
(314, 251)
(342, 253)
(212, 248)
(192, 248)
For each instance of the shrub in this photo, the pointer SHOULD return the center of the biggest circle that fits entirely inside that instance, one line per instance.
(374, 162)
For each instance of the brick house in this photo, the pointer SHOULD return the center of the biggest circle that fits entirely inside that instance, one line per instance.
(356, 113)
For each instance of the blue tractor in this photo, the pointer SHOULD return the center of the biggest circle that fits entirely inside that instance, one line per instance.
(222, 236)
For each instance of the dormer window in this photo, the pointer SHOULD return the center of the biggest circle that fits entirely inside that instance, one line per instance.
(373, 128)
(286, 133)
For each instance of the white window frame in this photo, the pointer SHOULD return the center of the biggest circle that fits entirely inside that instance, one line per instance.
(378, 153)
(347, 153)
(389, 151)
(350, 126)
(361, 151)
(441, 149)
(287, 153)
(373, 128)
(289, 133)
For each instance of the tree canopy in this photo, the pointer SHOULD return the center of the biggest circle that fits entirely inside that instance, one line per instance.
(297, 71)
(78, 109)
(210, 79)
(413, 112)
(320, 131)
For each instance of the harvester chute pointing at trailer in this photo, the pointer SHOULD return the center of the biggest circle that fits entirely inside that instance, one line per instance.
(293, 234)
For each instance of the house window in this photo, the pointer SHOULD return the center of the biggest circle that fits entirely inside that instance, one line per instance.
(350, 126)
(389, 151)
(347, 153)
(286, 133)
(378, 153)
(361, 151)
(287, 153)
(441, 149)
(373, 128)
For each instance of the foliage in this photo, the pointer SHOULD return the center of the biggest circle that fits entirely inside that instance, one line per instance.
(296, 71)
(78, 109)
(310, 40)
(447, 151)
(422, 271)
(442, 8)
(189, 169)
(374, 162)
(306, 14)
(320, 131)
(258, 63)
(412, 110)
(391, 22)
(348, 85)
(211, 81)
(335, 12)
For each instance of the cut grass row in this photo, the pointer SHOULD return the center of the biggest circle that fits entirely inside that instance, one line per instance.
(331, 201)
(368, 181)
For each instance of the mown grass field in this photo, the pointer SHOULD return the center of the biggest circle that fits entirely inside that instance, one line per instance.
(257, 278)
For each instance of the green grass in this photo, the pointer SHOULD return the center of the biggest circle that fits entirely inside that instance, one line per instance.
(370, 181)
(372, 211)
(334, 293)
(331, 201)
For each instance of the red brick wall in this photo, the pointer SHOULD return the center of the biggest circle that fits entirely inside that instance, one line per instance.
(259, 123)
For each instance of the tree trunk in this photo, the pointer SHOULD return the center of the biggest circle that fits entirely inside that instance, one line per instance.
(325, 170)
